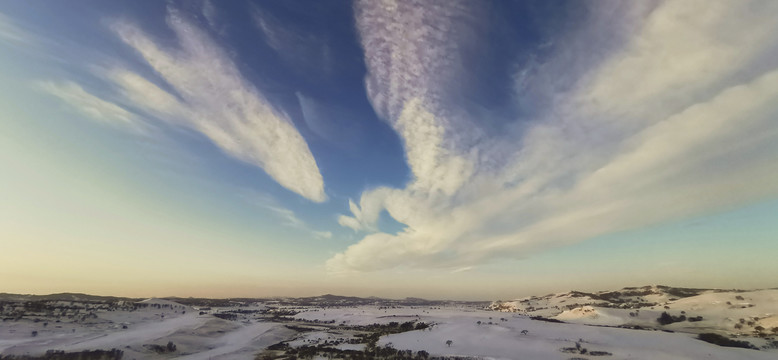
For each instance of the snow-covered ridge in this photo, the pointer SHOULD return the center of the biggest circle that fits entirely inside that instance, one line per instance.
(626, 298)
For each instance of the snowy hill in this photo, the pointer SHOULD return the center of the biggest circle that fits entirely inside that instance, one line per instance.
(729, 312)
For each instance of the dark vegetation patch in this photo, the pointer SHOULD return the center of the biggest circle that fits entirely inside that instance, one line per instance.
(540, 318)
(681, 292)
(725, 341)
(300, 328)
(42, 309)
(203, 302)
(667, 319)
(161, 349)
(599, 353)
(113, 354)
(579, 349)
(369, 335)
(385, 352)
(226, 316)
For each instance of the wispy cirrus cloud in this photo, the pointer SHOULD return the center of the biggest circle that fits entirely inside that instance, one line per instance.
(92, 106)
(203, 91)
(414, 75)
(215, 100)
(675, 121)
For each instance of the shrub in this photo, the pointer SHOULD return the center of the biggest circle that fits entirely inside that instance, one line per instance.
(599, 353)
(725, 341)
(159, 349)
(666, 319)
(540, 318)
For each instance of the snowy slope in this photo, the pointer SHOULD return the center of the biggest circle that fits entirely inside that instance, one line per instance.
(546, 341)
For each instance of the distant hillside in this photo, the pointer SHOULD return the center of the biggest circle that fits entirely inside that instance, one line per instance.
(731, 312)
(63, 297)
(337, 300)
(626, 298)
(322, 300)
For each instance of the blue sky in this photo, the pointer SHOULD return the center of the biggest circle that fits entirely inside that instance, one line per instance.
(378, 147)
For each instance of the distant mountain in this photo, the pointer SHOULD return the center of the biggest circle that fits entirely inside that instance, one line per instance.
(320, 300)
(63, 297)
(338, 300)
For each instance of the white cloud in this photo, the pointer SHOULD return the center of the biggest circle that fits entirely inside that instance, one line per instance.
(93, 106)
(322, 234)
(677, 121)
(365, 215)
(349, 222)
(215, 100)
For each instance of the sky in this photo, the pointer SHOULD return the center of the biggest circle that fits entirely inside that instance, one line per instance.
(438, 149)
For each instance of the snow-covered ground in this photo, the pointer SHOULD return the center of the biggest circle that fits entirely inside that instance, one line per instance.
(596, 326)
(196, 336)
(543, 340)
(503, 338)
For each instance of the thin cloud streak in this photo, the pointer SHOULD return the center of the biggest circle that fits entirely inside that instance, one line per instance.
(92, 106)
(289, 218)
(12, 33)
(209, 96)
